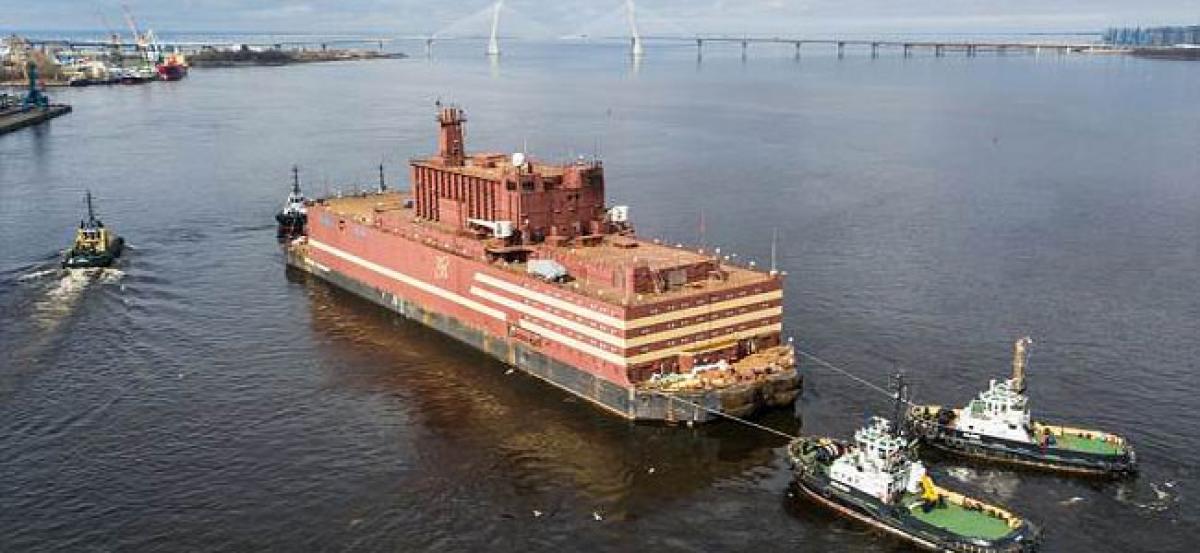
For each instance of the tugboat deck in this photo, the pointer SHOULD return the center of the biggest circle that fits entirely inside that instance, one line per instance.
(1087, 444)
(959, 520)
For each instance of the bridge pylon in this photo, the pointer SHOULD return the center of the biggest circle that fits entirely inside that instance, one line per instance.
(635, 39)
(493, 46)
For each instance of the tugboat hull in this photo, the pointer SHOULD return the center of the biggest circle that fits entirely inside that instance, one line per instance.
(869, 510)
(1001, 450)
(934, 519)
(290, 225)
(91, 260)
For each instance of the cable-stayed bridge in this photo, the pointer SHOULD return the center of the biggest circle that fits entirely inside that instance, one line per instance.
(498, 22)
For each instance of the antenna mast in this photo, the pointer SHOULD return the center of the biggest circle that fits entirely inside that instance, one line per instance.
(774, 240)
(382, 183)
(900, 407)
(1020, 362)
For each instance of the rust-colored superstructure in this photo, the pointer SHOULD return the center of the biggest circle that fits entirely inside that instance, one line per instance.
(525, 261)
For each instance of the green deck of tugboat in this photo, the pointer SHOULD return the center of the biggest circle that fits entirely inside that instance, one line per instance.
(1086, 445)
(955, 519)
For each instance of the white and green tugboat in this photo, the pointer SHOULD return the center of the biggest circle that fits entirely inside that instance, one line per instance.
(997, 426)
(878, 480)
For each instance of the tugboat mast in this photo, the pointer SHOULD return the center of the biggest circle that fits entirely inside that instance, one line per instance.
(296, 179)
(900, 406)
(1020, 361)
(92, 221)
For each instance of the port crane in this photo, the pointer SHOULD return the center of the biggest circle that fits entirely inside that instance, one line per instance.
(146, 42)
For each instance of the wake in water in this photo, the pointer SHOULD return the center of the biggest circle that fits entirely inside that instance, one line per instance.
(1002, 484)
(59, 301)
(36, 275)
(1165, 496)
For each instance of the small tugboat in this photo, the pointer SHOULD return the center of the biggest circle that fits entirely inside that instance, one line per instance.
(294, 216)
(95, 245)
(878, 480)
(997, 426)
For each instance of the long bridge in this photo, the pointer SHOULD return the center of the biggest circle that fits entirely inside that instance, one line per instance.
(626, 10)
(938, 47)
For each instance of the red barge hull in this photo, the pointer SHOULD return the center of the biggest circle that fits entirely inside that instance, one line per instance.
(487, 334)
(523, 261)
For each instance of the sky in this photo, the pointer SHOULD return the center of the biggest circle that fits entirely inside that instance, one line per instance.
(600, 17)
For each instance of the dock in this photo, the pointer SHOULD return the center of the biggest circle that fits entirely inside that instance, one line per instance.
(13, 119)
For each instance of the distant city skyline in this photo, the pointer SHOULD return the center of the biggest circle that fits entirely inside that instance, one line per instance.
(546, 18)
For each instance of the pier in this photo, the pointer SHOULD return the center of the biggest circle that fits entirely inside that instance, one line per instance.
(11, 120)
(17, 112)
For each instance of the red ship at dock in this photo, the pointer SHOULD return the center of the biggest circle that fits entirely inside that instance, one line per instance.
(525, 261)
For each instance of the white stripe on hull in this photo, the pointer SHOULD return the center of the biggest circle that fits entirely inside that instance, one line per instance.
(701, 327)
(551, 301)
(621, 324)
(515, 305)
(617, 341)
(411, 281)
(573, 343)
(699, 346)
(568, 341)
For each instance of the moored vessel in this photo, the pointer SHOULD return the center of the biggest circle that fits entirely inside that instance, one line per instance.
(95, 245)
(997, 426)
(172, 66)
(525, 261)
(876, 479)
(294, 215)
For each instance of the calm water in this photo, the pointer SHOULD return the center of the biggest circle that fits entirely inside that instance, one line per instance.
(930, 211)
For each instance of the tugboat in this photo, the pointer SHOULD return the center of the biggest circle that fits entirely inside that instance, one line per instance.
(95, 245)
(997, 426)
(877, 479)
(294, 216)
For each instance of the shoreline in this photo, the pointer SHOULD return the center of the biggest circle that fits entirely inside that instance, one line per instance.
(249, 58)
